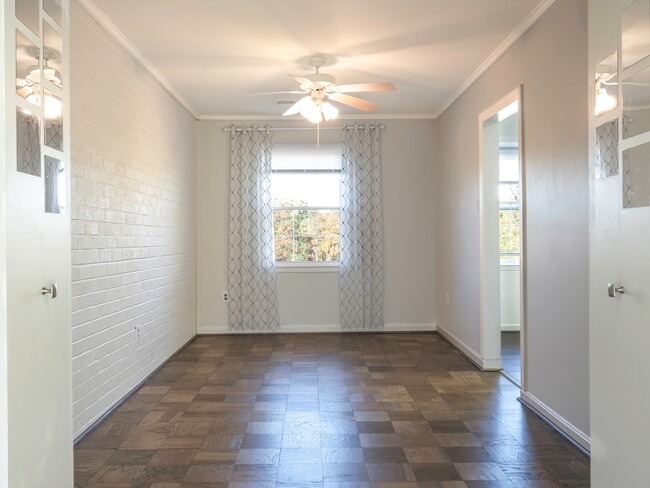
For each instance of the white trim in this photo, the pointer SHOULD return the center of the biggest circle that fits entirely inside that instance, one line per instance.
(429, 327)
(298, 118)
(319, 267)
(510, 327)
(557, 420)
(514, 36)
(318, 329)
(469, 353)
(107, 24)
(487, 345)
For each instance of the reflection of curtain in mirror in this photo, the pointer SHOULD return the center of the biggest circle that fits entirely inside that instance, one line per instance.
(28, 143)
(53, 172)
(54, 134)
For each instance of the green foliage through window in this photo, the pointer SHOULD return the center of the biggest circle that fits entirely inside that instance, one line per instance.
(307, 235)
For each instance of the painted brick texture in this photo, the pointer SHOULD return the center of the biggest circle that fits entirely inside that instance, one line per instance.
(133, 221)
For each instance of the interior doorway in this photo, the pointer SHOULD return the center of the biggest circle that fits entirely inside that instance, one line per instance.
(502, 265)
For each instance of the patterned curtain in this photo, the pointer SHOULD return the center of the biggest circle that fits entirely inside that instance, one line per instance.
(253, 300)
(362, 283)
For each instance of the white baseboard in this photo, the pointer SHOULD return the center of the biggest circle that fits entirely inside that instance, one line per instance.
(313, 329)
(557, 420)
(471, 354)
(510, 327)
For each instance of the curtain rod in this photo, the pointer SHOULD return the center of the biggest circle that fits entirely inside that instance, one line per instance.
(282, 129)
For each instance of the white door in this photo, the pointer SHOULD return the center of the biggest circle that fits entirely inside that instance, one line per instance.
(620, 255)
(39, 373)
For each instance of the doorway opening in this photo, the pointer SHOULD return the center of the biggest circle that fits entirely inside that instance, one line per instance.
(502, 264)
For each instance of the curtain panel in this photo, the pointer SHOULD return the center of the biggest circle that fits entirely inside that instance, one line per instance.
(361, 271)
(253, 299)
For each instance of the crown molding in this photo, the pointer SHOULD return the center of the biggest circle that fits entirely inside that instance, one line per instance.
(514, 36)
(107, 24)
(341, 117)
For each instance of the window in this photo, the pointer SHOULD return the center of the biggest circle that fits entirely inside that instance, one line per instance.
(306, 187)
(509, 206)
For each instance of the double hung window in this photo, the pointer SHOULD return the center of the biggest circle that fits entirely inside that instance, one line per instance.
(509, 206)
(306, 188)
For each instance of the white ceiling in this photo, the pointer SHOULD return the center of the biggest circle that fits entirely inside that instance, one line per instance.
(217, 53)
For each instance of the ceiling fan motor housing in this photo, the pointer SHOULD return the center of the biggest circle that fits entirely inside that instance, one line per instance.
(321, 79)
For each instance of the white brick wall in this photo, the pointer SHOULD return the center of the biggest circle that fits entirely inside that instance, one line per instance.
(133, 221)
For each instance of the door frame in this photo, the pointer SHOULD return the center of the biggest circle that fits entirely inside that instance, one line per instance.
(490, 340)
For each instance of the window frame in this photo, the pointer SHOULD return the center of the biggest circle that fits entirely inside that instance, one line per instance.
(511, 206)
(306, 266)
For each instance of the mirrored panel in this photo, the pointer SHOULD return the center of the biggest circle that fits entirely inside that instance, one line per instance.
(28, 144)
(53, 121)
(606, 97)
(607, 149)
(636, 104)
(635, 33)
(28, 12)
(28, 72)
(55, 185)
(636, 176)
(53, 7)
(52, 55)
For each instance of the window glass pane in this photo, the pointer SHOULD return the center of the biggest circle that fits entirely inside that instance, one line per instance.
(28, 72)
(28, 12)
(305, 222)
(306, 190)
(52, 55)
(636, 104)
(305, 248)
(509, 231)
(306, 157)
(28, 144)
(329, 248)
(53, 7)
(53, 121)
(55, 187)
(306, 235)
(328, 222)
(284, 249)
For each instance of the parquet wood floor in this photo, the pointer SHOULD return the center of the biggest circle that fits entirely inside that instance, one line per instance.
(511, 355)
(325, 411)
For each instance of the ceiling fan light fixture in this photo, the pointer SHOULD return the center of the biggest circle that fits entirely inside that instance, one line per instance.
(312, 113)
(330, 112)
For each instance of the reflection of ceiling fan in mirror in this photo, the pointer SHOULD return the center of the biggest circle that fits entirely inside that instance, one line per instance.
(31, 87)
(319, 88)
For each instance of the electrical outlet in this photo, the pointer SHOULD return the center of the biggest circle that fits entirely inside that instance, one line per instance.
(447, 298)
(225, 296)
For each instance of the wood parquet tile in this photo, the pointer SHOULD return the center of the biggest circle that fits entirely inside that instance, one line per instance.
(325, 411)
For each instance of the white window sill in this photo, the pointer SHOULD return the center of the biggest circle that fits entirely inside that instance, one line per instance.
(307, 267)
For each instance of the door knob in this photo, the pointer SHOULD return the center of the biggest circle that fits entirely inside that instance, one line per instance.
(612, 290)
(51, 290)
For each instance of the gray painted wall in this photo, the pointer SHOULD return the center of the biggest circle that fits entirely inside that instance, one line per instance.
(309, 301)
(550, 62)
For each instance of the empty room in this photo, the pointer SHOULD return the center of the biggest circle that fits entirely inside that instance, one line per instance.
(278, 244)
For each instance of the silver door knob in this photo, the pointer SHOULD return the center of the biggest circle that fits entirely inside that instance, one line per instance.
(51, 290)
(613, 290)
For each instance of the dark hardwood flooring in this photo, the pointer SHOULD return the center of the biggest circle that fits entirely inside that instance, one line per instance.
(325, 411)
(511, 355)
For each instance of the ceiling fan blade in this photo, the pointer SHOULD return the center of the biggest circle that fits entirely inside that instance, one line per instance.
(295, 108)
(366, 87)
(355, 102)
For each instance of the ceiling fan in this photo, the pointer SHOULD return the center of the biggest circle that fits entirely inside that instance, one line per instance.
(319, 88)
